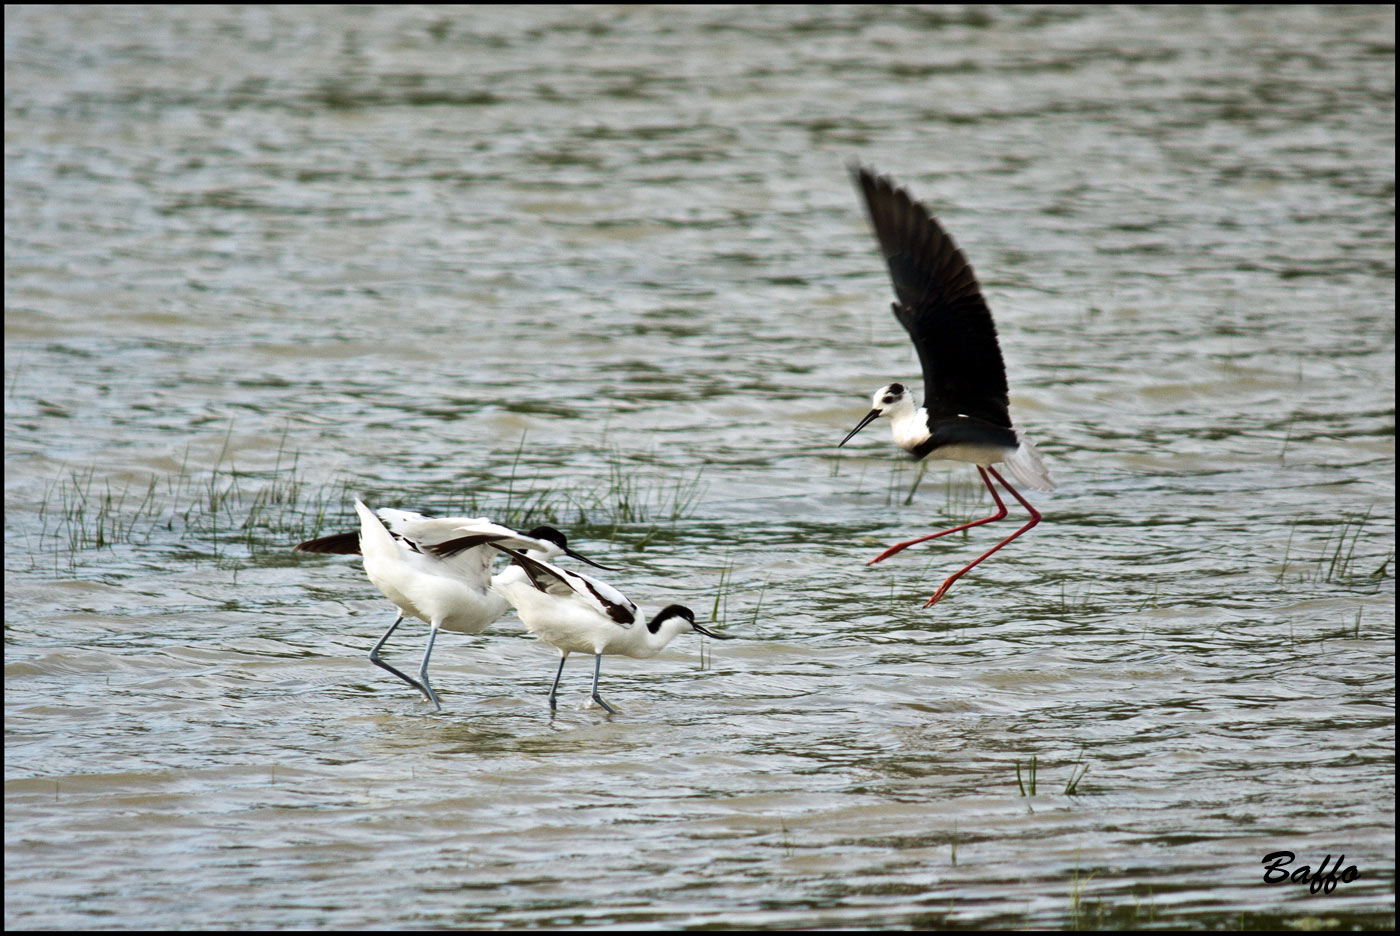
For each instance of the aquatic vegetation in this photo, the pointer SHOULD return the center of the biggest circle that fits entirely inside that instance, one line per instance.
(961, 499)
(627, 497)
(1076, 898)
(1078, 600)
(1027, 785)
(1031, 773)
(1338, 561)
(265, 510)
(80, 511)
(1072, 787)
(726, 577)
(1105, 914)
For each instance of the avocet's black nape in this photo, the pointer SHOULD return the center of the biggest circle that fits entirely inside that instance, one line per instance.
(557, 538)
(681, 611)
(551, 534)
(668, 612)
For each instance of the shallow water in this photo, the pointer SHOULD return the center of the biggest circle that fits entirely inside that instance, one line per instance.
(604, 268)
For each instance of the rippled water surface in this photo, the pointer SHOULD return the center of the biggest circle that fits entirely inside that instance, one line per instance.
(603, 267)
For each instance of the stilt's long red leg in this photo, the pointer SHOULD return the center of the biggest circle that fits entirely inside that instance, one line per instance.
(1035, 518)
(1001, 512)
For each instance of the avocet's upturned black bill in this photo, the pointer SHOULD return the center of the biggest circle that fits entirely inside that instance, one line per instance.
(966, 411)
(577, 614)
(437, 569)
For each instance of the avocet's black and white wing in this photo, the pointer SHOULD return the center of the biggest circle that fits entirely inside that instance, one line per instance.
(446, 538)
(561, 583)
(470, 536)
(408, 526)
(940, 305)
(417, 537)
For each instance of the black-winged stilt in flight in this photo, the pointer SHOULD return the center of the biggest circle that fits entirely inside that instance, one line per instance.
(437, 569)
(577, 614)
(965, 416)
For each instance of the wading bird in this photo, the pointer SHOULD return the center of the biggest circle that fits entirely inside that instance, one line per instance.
(437, 569)
(577, 614)
(965, 416)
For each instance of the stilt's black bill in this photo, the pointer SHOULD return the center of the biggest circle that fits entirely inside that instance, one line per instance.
(709, 633)
(869, 418)
(596, 565)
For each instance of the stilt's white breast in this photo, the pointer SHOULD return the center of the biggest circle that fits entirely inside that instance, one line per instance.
(909, 428)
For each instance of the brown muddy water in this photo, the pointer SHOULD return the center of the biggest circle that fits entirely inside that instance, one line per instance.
(603, 267)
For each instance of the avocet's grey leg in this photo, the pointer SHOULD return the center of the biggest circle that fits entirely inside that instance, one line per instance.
(374, 658)
(423, 670)
(597, 665)
(560, 672)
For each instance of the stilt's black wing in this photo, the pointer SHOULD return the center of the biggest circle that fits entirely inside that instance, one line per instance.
(940, 305)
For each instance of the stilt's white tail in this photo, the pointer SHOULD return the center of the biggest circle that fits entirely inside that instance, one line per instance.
(1027, 468)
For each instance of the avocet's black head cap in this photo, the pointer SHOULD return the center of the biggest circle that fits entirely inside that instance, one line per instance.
(668, 612)
(685, 614)
(675, 610)
(550, 534)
